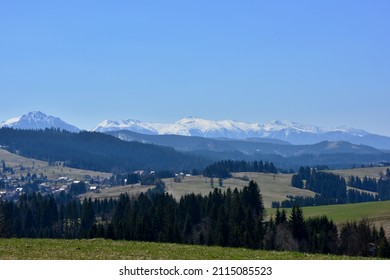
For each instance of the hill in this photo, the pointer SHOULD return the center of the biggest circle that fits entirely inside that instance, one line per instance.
(272, 188)
(335, 154)
(22, 165)
(377, 212)
(95, 151)
(251, 146)
(371, 172)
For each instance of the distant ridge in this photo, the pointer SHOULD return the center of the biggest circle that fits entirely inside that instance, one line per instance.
(246, 147)
(292, 132)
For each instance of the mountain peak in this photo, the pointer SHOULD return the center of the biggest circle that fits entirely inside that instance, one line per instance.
(38, 120)
(38, 114)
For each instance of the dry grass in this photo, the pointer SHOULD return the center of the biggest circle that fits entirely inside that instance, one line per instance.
(114, 192)
(371, 172)
(42, 167)
(272, 188)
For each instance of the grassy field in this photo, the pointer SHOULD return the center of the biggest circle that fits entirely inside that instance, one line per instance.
(38, 167)
(272, 188)
(115, 192)
(101, 249)
(372, 172)
(377, 212)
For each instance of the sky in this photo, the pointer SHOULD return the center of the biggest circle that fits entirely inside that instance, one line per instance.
(324, 63)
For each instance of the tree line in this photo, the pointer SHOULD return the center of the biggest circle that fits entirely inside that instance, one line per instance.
(233, 218)
(224, 168)
(381, 186)
(321, 235)
(332, 189)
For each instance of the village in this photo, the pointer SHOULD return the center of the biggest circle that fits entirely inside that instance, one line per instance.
(17, 180)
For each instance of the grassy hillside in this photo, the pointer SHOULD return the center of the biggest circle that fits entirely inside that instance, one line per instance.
(115, 192)
(272, 188)
(100, 249)
(377, 212)
(95, 151)
(23, 165)
(372, 172)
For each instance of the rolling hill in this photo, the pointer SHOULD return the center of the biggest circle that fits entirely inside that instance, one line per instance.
(95, 151)
(336, 154)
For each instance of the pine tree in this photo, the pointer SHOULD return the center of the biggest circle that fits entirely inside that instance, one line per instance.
(87, 218)
(298, 226)
(384, 246)
(5, 219)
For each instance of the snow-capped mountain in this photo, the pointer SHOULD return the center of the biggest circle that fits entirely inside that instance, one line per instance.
(292, 132)
(131, 125)
(188, 127)
(38, 120)
(227, 128)
(288, 131)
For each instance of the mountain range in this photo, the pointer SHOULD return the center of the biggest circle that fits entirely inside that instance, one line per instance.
(245, 147)
(282, 131)
(176, 145)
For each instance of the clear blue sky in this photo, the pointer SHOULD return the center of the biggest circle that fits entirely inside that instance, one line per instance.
(316, 62)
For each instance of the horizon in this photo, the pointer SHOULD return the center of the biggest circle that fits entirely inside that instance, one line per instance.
(325, 64)
(286, 122)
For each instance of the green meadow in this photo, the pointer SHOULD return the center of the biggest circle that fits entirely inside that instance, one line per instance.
(102, 249)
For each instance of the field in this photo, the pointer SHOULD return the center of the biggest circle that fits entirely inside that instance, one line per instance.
(22, 166)
(371, 172)
(114, 192)
(377, 212)
(101, 249)
(272, 188)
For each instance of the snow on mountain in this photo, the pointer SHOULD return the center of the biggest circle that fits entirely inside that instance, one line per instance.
(289, 126)
(289, 131)
(38, 120)
(227, 128)
(10, 122)
(352, 131)
(207, 128)
(132, 125)
(188, 127)
(292, 132)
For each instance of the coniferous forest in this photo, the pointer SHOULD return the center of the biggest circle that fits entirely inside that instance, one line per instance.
(95, 151)
(232, 218)
(332, 189)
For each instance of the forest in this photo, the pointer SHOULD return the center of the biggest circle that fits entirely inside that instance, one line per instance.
(224, 168)
(95, 151)
(231, 218)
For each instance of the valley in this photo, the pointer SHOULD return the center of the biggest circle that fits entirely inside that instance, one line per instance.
(94, 185)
